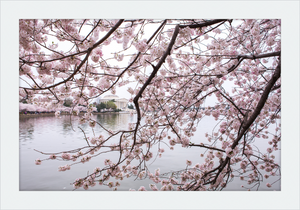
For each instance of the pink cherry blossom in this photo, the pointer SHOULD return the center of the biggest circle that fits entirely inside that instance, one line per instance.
(66, 156)
(52, 157)
(188, 162)
(178, 73)
(38, 162)
(229, 152)
(142, 188)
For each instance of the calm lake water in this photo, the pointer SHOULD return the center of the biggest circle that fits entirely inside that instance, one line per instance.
(50, 134)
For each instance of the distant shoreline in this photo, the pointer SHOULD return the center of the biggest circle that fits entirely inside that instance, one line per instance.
(22, 116)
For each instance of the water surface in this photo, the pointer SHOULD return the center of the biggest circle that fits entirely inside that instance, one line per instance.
(50, 134)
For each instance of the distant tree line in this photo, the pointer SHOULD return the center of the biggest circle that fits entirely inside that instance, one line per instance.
(130, 106)
(107, 105)
(68, 102)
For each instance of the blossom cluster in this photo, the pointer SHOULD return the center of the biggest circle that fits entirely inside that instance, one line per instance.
(171, 74)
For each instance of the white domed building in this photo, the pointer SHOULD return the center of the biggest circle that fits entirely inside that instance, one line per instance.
(121, 103)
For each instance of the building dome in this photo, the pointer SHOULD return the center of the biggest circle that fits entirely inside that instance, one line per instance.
(110, 97)
(121, 103)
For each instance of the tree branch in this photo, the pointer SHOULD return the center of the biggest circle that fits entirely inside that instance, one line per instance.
(204, 24)
(155, 69)
(251, 119)
(86, 57)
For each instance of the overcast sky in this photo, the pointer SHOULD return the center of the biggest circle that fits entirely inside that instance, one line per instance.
(108, 53)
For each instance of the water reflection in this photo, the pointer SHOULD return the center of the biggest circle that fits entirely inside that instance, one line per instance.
(67, 124)
(113, 121)
(51, 134)
(26, 129)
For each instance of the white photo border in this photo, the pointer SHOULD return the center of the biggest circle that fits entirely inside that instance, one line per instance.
(12, 198)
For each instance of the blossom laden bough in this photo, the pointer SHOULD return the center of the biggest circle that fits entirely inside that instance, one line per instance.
(170, 68)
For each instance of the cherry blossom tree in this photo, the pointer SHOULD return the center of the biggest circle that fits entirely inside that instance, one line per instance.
(170, 68)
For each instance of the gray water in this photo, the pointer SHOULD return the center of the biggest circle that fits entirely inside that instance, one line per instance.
(51, 135)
